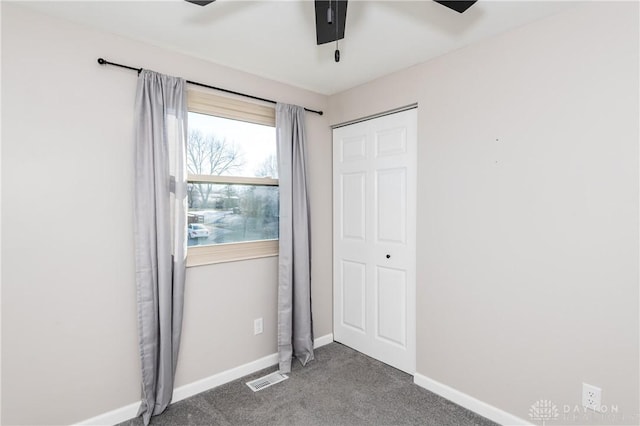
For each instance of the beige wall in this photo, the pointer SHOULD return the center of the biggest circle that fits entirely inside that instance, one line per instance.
(527, 279)
(69, 337)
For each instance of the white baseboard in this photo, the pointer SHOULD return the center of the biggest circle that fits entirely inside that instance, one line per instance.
(123, 414)
(323, 340)
(113, 417)
(227, 376)
(467, 401)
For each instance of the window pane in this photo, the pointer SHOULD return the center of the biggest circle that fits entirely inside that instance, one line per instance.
(220, 146)
(231, 213)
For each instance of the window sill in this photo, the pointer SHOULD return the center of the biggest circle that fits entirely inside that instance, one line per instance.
(222, 253)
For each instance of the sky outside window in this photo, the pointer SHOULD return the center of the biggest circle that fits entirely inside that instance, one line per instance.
(255, 143)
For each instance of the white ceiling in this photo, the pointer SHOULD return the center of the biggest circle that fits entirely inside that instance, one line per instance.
(276, 39)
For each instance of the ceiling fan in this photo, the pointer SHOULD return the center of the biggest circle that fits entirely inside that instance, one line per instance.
(331, 16)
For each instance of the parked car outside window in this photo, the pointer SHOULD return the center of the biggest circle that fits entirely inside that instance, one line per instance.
(197, 230)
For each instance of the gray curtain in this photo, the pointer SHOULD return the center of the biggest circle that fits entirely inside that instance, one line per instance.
(160, 232)
(295, 331)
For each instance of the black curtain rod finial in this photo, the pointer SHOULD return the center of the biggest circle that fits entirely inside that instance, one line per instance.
(103, 61)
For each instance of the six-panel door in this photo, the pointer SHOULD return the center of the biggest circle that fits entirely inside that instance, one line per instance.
(374, 184)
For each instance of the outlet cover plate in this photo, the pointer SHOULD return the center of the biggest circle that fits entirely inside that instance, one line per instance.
(257, 326)
(591, 397)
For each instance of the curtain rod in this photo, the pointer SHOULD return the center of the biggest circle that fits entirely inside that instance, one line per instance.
(102, 61)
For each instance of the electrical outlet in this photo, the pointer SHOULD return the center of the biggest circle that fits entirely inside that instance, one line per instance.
(257, 326)
(591, 397)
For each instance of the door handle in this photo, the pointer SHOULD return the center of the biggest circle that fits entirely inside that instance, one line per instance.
(388, 256)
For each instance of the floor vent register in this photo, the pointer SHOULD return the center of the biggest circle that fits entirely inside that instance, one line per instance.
(266, 381)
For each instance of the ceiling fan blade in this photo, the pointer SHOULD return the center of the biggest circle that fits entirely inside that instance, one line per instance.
(329, 15)
(458, 6)
(200, 2)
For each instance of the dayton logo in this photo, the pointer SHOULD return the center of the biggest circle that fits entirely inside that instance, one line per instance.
(543, 411)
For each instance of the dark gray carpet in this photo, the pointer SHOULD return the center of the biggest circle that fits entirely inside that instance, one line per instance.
(340, 387)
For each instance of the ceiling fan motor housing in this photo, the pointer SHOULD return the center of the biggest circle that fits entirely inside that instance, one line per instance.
(331, 16)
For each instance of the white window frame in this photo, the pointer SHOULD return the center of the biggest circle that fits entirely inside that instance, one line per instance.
(210, 104)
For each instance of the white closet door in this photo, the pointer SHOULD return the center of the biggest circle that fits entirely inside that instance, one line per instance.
(374, 205)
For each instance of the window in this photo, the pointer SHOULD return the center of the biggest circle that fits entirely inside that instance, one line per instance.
(233, 197)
